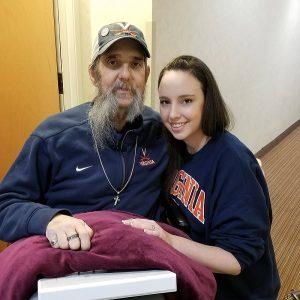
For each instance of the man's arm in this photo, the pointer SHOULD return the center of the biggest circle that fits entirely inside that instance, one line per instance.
(23, 209)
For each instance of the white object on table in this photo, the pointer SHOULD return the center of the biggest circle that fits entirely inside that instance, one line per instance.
(107, 285)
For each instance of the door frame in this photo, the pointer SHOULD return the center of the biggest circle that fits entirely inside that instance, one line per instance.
(66, 17)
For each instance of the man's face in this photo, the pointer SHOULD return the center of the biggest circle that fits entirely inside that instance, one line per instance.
(121, 68)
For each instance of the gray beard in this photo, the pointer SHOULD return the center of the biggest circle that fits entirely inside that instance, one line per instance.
(103, 114)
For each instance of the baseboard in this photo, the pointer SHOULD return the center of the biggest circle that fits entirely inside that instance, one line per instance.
(277, 140)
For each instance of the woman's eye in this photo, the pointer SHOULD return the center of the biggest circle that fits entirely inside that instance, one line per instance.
(187, 100)
(163, 102)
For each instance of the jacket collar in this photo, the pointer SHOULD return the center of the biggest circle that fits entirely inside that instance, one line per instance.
(127, 136)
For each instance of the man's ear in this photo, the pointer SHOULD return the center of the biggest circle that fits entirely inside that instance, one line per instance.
(147, 73)
(93, 76)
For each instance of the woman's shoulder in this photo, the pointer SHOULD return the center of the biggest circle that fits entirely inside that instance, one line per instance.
(232, 142)
(238, 167)
(232, 146)
(234, 156)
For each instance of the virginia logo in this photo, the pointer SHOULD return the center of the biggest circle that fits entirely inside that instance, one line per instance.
(189, 192)
(145, 160)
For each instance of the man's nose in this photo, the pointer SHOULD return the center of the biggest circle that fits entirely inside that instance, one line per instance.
(124, 72)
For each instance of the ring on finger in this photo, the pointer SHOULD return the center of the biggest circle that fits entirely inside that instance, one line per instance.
(54, 242)
(73, 236)
(153, 227)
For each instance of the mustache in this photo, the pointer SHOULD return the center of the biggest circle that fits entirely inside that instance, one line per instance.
(122, 85)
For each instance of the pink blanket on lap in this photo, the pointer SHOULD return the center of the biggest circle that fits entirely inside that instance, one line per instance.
(115, 246)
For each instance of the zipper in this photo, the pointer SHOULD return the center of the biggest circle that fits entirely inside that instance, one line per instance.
(123, 159)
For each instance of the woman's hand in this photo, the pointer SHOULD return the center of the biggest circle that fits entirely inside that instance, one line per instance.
(150, 227)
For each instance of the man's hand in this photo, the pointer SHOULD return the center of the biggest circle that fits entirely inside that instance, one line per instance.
(67, 232)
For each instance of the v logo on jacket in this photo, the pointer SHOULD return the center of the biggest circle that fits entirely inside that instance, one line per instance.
(145, 159)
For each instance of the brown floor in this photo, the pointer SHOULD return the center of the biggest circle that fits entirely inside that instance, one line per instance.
(282, 169)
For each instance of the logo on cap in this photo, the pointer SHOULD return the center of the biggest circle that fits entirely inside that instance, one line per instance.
(125, 30)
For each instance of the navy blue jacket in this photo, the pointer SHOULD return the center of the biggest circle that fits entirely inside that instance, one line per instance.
(58, 171)
(223, 193)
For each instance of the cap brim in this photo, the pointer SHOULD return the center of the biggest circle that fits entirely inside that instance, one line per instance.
(104, 48)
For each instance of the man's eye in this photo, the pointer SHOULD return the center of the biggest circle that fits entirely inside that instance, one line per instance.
(136, 64)
(112, 62)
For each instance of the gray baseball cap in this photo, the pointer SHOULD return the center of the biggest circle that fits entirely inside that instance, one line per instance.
(111, 33)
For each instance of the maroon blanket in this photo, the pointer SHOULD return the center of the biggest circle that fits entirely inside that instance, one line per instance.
(115, 246)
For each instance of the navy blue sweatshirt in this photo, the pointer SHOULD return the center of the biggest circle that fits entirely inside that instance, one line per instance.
(58, 171)
(222, 192)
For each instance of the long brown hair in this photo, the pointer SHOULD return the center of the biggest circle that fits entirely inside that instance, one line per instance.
(215, 117)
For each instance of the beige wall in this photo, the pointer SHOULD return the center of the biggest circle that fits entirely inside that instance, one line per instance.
(92, 15)
(252, 47)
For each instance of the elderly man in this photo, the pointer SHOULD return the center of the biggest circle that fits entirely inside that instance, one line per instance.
(107, 154)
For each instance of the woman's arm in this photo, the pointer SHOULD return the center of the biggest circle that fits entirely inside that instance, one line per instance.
(214, 258)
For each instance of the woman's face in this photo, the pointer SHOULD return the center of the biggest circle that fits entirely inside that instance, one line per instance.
(181, 105)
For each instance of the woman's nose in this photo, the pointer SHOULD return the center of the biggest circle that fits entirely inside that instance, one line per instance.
(174, 112)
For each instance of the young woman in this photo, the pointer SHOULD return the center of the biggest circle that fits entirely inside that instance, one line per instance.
(217, 184)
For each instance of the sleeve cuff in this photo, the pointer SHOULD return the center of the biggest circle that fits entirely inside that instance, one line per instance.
(41, 217)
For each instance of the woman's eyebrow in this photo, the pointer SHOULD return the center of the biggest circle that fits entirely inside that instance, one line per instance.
(187, 95)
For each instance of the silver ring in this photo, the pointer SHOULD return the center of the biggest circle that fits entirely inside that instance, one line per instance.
(153, 227)
(73, 236)
(54, 241)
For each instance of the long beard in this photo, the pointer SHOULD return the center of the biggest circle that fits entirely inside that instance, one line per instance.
(104, 112)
